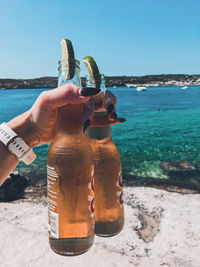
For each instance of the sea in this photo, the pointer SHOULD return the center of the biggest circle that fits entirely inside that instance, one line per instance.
(162, 125)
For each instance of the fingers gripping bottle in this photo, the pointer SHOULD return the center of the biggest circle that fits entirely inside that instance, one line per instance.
(70, 172)
(109, 208)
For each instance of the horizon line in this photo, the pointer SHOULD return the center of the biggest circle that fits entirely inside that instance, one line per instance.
(162, 74)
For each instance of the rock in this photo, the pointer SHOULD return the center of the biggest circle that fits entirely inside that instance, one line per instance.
(150, 226)
(179, 168)
(13, 187)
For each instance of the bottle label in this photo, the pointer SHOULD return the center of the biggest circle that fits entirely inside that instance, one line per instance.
(53, 217)
(66, 200)
(119, 192)
(53, 224)
(91, 195)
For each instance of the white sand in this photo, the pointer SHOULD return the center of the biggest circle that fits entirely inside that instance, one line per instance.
(175, 234)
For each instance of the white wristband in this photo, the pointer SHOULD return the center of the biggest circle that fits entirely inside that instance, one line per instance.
(16, 145)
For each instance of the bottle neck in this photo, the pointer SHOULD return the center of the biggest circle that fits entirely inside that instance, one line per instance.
(69, 119)
(62, 78)
(99, 132)
(97, 81)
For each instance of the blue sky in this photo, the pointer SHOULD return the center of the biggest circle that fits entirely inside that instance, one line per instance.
(126, 37)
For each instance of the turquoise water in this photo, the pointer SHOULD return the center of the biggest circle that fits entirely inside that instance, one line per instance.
(163, 124)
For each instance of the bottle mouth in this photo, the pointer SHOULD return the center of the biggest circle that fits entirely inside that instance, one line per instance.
(63, 64)
(96, 80)
(97, 77)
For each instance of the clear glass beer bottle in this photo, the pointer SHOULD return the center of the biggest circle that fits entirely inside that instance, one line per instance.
(70, 172)
(109, 208)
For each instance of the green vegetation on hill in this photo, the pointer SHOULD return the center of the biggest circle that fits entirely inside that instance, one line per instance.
(154, 80)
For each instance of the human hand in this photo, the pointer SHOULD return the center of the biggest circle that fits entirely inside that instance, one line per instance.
(108, 101)
(37, 125)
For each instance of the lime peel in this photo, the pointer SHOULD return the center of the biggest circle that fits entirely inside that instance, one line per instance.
(68, 57)
(93, 70)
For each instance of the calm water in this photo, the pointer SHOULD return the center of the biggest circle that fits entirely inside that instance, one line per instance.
(149, 136)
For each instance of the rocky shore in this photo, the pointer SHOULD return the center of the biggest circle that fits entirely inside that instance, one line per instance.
(183, 177)
(148, 80)
(154, 80)
(43, 82)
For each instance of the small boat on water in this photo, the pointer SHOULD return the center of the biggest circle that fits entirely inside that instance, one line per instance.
(141, 88)
(184, 87)
(138, 88)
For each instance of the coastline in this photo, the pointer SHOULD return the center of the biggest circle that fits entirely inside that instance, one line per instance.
(111, 81)
(182, 177)
(38, 194)
(34, 189)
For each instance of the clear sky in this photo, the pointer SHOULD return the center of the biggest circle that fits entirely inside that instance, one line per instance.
(126, 37)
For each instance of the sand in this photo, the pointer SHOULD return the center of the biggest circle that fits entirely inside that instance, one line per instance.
(161, 229)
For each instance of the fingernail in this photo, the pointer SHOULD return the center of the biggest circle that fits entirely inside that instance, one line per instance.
(86, 124)
(89, 91)
(122, 120)
(114, 115)
(110, 108)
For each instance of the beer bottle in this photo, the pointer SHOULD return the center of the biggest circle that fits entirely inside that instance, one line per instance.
(70, 172)
(109, 208)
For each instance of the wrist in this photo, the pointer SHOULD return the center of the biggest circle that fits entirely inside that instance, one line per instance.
(22, 126)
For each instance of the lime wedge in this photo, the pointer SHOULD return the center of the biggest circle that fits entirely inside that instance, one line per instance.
(68, 57)
(93, 71)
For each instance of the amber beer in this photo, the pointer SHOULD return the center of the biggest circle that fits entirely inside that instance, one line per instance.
(70, 186)
(70, 172)
(109, 207)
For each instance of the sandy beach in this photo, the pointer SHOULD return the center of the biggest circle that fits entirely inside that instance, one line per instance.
(161, 229)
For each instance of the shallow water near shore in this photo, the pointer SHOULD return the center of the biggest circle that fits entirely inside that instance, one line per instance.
(163, 124)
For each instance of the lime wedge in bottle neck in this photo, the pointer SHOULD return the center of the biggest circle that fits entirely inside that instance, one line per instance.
(68, 58)
(93, 71)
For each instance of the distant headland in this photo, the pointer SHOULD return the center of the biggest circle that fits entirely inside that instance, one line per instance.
(148, 80)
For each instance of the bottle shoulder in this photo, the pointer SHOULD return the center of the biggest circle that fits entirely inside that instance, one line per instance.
(68, 142)
(106, 144)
